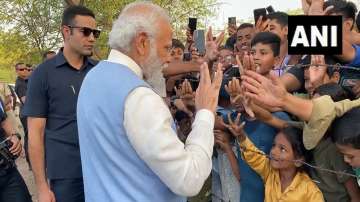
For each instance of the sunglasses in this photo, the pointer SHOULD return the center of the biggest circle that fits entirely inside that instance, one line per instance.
(23, 69)
(87, 31)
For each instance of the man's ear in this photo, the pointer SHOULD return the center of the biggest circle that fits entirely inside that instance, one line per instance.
(142, 43)
(65, 31)
(335, 77)
(286, 30)
(349, 24)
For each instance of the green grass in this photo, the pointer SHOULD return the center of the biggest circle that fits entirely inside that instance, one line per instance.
(7, 75)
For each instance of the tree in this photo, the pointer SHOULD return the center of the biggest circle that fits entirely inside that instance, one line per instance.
(36, 23)
(38, 20)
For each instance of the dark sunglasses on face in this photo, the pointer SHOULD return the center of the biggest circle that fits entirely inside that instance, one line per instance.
(23, 69)
(87, 31)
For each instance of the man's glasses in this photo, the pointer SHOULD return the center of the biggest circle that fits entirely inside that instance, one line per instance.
(23, 69)
(87, 31)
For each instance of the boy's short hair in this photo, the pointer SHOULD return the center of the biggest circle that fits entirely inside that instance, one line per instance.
(268, 38)
(245, 25)
(346, 8)
(334, 90)
(346, 129)
(176, 43)
(280, 17)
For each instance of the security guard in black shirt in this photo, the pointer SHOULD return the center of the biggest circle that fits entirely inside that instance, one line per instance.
(12, 185)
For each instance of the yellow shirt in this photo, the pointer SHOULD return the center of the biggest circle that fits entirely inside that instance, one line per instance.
(301, 189)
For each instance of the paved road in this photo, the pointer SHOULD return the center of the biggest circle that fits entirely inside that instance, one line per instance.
(28, 176)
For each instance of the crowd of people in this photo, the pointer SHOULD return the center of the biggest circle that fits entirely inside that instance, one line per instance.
(159, 120)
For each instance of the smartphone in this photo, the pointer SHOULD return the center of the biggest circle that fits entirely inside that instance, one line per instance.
(270, 9)
(192, 24)
(199, 39)
(187, 56)
(259, 12)
(349, 82)
(232, 21)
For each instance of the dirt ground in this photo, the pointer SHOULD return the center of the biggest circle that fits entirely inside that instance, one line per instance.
(28, 176)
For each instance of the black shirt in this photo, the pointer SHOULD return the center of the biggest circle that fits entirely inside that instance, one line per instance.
(53, 90)
(3, 116)
(20, 90)
(21, 87)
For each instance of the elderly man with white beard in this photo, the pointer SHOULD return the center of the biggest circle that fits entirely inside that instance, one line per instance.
(128, 142)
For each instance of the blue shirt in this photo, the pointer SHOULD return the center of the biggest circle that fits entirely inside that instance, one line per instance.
(262, 135)
(356, 61)
(348, 76)
(52, 93)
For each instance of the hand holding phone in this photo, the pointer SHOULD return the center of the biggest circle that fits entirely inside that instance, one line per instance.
(199, 39)
(270, 9)
(192, 25)
(259, 12)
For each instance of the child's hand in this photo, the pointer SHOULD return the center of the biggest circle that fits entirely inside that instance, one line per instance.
(317, 70)
(236, 129)
(237, 96)
(186, 94)
(219, 123)
(223, 140)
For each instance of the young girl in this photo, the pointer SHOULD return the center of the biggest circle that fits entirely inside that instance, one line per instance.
(346, 135)
(282, 173)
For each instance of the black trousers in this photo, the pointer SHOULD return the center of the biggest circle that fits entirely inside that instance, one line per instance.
(13, 187)
(26, 140)
(68, 190)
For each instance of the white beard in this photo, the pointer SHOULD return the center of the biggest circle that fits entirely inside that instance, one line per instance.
(153, 73)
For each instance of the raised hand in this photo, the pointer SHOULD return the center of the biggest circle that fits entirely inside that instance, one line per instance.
(236, 129)
(305, 6)
(248, 62)
(207, 93)
(213, 45)
(261, 25)
(237, 96)
(186, 93)
(239, 63)
(317, 70)
(268, 93)
(222, 139)
(317, 8)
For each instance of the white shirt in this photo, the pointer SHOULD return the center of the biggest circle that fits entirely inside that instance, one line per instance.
(147, 121)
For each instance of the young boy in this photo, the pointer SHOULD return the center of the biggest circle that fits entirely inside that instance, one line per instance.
(265, 50)
(278, 25)
(265, 47)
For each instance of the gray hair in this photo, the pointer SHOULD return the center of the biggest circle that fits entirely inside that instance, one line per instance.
(130, 23)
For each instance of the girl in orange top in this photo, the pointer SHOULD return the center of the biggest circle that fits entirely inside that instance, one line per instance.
(282, 173)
